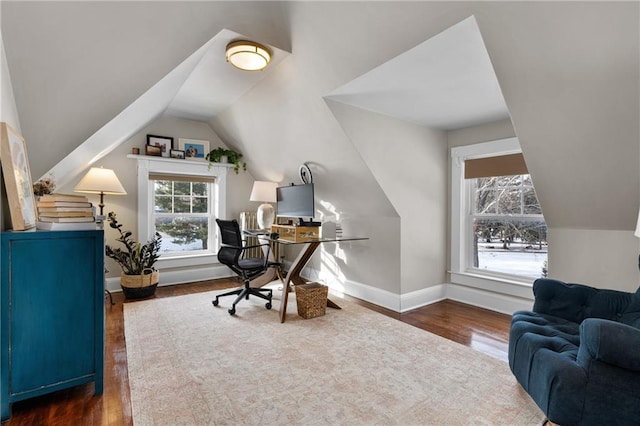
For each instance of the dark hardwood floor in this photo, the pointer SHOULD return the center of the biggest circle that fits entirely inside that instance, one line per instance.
(478, 328)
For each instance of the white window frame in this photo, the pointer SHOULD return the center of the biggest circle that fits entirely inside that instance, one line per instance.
(461, 201)
(147, 165)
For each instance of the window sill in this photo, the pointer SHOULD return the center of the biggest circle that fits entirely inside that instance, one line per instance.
(512, 287)
(168, 262)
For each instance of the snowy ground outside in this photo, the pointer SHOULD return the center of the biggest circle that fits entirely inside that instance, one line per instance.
(168, 245)
(515, 261)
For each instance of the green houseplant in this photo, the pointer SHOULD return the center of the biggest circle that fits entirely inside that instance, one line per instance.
(216, 156)
(139, 278)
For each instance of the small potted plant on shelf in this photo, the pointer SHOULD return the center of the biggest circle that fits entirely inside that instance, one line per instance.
(219, 155)
(139, 278)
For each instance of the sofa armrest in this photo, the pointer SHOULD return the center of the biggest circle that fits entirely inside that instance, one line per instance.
(609, 342)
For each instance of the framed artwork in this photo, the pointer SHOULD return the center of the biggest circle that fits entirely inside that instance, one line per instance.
(177, 153)
(193, 148)
(165, 143)
(17, 179)
(153, 150)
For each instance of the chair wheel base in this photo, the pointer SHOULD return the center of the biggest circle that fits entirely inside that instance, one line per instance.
(215, 302)
(232, 311)
(268, 305)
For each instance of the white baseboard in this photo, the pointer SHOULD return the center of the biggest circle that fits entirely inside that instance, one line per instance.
(503, 303)
(171, 277)
(423, 297)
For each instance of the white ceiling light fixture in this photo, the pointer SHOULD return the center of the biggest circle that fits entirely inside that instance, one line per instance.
(248, 55)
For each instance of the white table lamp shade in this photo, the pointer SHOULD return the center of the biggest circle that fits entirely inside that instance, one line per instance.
(637, 233)
(99, 180)
(265, 192)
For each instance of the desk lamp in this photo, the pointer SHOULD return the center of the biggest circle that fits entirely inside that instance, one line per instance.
(100, 181)
(265, 192)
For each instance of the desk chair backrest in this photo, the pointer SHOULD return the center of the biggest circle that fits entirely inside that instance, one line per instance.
(231, 237)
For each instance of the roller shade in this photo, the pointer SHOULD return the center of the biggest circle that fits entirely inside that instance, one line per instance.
(182, 178)
(503, 165)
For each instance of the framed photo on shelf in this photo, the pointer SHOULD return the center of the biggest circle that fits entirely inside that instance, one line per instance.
(165, 143)
(153, 150)
(177, 153)
(17, 179)
(193, 148)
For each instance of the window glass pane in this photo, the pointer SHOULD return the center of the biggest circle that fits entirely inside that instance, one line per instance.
(182, 204)
(530, 201)
(182, 188)
(183, 233)
(163, 204)
(199, 188)
(485, 201)
(515, 247)
(200, 205)
(162, 187)
(509, 201)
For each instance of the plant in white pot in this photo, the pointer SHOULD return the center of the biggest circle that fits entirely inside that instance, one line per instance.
(139, 278)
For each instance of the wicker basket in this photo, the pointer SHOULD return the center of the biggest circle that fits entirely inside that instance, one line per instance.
(311, 299)
(136, 281)
(139, 286)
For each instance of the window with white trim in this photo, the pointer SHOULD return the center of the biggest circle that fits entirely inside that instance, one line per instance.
(182, 207)
(181, 199)
(498, 229)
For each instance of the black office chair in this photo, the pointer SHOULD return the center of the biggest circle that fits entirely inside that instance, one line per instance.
(231, 254)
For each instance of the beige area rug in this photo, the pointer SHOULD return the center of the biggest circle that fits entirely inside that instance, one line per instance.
(191, 363)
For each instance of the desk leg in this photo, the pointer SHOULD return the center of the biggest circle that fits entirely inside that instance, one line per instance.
(294, 274)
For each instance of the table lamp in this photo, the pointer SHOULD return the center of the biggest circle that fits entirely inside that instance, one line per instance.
(265, 192)
(100, 181)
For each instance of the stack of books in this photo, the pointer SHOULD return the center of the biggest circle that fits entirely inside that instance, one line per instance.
(65, 212)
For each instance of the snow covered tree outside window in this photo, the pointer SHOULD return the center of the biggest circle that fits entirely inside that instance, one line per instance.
(508, 230)
(182, 215)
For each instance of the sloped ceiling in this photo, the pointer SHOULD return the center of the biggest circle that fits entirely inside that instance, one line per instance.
(446, 82)
(568, 72)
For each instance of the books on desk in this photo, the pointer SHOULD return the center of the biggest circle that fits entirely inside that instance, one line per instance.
(67, 209)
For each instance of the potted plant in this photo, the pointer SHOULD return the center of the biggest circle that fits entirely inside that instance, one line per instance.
(139, 278)
(218, 155)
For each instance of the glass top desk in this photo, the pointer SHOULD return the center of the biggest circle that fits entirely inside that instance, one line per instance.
(293, 276)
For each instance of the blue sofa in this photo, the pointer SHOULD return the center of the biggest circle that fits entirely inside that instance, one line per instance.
(578, 353)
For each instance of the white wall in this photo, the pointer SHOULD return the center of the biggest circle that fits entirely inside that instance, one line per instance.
(600, 258)
(409, 163)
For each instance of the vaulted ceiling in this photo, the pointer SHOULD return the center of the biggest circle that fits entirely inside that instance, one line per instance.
(568, 73)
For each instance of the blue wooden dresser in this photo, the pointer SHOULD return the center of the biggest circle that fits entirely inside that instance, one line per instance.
(51, 313)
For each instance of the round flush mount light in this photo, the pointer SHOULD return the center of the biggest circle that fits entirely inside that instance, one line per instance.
(248, 55)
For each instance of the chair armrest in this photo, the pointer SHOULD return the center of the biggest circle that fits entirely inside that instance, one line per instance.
(255, 245)
(610, 342)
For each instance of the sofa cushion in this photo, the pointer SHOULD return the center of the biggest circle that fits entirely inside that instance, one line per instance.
(575, 302)
(631, 315)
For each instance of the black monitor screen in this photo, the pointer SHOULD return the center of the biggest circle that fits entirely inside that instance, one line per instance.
(295, 201)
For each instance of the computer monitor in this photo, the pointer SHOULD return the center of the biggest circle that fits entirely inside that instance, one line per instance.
(295, 201)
